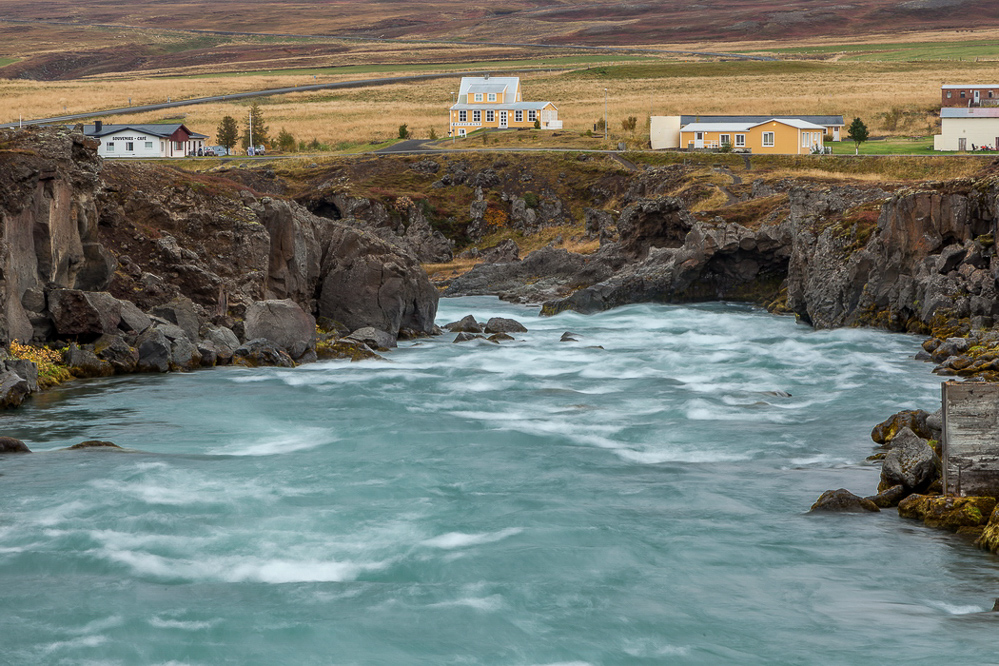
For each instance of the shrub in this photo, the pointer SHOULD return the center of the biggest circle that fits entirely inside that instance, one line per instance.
(433, 134)
(404, 131)
(531, 200)
(51, 371)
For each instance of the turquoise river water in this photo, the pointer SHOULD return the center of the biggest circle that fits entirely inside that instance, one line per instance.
(636, 497)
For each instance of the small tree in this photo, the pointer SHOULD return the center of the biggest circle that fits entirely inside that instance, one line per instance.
(537, 123)
(286, 141)
(629, 124)
(256, 119)
(227, 133)
(433, 134)
(857, 133)
(404, 131)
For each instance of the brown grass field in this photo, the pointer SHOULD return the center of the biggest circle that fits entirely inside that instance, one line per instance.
(373, 115)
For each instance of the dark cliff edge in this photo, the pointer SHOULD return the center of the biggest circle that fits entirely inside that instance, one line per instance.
(140, 267)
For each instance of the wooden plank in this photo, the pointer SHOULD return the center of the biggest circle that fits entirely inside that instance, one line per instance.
(970, 438)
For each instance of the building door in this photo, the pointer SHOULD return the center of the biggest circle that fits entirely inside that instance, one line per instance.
(978, 97)
(962, 144)
(698, 139)
(503, 120)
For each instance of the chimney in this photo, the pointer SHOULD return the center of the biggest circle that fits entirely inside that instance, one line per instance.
(98, 126)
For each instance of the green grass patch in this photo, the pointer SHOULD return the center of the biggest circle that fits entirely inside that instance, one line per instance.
(563, 62)
(906, 51)
(665, 70)
(892, 146)
(8, 61)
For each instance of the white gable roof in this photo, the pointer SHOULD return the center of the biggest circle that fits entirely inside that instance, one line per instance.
(488, 84)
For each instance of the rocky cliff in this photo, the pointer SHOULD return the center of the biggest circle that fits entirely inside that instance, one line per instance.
(144, 267)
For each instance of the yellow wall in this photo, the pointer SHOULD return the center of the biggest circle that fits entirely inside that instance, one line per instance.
(787, 139)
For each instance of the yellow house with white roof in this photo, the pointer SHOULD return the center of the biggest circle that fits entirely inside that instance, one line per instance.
(496, 103)
(777, 136)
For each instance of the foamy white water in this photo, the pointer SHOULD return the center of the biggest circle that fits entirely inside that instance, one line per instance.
(636, 497)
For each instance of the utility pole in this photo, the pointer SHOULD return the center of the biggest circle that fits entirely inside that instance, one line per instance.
(250, 125)
(450, 115)
(605, 114)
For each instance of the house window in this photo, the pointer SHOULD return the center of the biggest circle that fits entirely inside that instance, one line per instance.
(532, 115)
(724, 139)
(478, 97)
(110, 147)
(962, 95)
(740, 140)
(476, 116)
(129, 146)
(768, 139)
(462, 116)
(806, 139)
(492, 97)
(149, 145)
(518, 116)
(948, 94)
(490, 116)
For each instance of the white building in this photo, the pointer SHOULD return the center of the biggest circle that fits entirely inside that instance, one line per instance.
(967, 128)
(173, 140)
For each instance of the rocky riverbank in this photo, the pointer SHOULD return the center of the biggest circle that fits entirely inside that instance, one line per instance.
(132, 268)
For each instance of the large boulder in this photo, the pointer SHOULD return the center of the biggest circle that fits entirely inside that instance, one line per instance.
(85, 363)
(113, 349)
(915, 420)
(155, 351)
(504, 325)
(86, 313)
(180, 312)
(260, 352)
(911, 463)
(224, 341)
(283, 322)
(842, 501)
(367, 282)
(13, 389)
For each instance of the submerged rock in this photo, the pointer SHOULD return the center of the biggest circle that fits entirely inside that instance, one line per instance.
(843, 501)
(373, 338)
(13, 445)
(98, 444)
(889, 497)
(503, 325)
(261, 352)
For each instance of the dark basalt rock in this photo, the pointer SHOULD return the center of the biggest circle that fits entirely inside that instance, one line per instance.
(466, 324)
(283, 322)
(466, 337)
(503, 325)
(113, 349)
(85, 363)
(95, 444)
(914, 420)
(500, 337)
(373, 338)
(13, 445)
(843, 501)
(155, 352)
(889, 497)
(261, 352)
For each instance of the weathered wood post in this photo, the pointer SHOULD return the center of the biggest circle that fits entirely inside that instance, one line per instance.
(970, 445)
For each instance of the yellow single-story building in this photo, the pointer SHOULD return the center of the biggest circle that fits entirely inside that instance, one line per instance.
(777, 136)
(496, 103)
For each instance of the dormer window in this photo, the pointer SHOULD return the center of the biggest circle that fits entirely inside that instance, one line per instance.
(478, 97)
(492, 97)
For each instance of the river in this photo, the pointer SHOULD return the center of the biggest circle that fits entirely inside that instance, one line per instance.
(639, 496)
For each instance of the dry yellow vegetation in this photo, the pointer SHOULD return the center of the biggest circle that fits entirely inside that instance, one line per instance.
(372, 115)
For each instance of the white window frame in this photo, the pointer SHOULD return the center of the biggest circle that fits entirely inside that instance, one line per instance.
(129, 146)
(740, 140)
(463, 116)
(532, 115)
(518, 116)
(149, 145)
(478, 97)
(491, 97)
(806, 139)
(109, 147)
(490, 116)
(476, 116)
(768, 136)
(724, 138)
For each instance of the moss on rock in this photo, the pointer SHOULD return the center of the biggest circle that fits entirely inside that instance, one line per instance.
(949, 513)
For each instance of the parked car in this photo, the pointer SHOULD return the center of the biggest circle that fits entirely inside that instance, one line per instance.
(217, 151)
